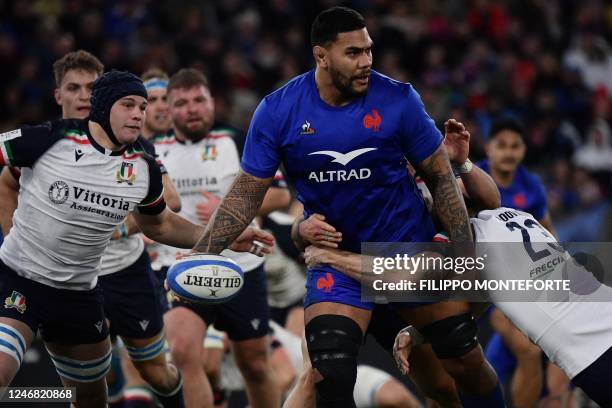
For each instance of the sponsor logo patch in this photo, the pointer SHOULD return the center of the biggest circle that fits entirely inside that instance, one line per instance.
(126, 173)
(16, 301)
(58, 192)
(143, 324)
(306, 129)
(325, 283)
(372, 121)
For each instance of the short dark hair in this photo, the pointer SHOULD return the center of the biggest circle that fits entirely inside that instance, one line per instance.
(329, 23)
(154, 73)
(506, 124)
(76, 60)
(187, 78)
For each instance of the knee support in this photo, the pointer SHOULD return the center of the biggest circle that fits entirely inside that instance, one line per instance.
(453, 336)
(333, 344)
(12, 342)
(148, 352)
(83, 371)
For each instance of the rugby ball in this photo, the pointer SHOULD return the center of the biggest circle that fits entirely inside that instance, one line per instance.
(204, 278)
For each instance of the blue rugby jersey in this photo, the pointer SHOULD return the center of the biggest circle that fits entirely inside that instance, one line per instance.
(349, 163)
(525, 193)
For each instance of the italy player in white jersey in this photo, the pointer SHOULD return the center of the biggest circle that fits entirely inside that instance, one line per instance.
(134, 298)
(203, 161)
(131, 292)
(80, 179)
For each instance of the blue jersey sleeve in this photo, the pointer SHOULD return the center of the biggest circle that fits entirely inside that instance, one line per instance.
(539, 203)
(261, 156)
(420, 137)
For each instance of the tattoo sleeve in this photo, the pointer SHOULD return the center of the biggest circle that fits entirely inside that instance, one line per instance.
(448, 200)
(235, 212)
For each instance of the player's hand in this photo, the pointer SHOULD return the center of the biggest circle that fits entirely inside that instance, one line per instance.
(205, 209)
(254, 240)
(456, 141)
(148, 241)
(401, 351)
(314, 255)
(173, 296)
(317, 232)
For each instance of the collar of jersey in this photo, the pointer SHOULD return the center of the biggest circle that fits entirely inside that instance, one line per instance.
(189, 142)
(103, 149)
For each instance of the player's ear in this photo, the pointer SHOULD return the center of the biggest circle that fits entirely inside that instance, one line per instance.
(58, 96)
(320, 54)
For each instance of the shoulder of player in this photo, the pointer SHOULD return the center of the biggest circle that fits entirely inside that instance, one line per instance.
(222, 132)
(140, 149)
(50, 132)
(291, 90)
(74, 130)
(381, 83)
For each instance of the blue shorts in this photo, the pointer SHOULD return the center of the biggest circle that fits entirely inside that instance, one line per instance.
(134, 300)
(244, 317)
(324, 284)
(64, 316)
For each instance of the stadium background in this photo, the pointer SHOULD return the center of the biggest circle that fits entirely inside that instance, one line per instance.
(545, 62)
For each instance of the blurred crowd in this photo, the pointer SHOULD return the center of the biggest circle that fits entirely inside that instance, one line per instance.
(545, 62)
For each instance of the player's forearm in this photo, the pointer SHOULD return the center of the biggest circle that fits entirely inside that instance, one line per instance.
(349, 263)
(9, 190)
(170, 229)
(127, 228)
(236, 211)
(362, 267)
(481, 189)
(275, 199)
(297, 239)
(448, 200)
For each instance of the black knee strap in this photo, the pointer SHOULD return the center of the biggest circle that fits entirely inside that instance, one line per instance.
(452, 337)
(333, 344)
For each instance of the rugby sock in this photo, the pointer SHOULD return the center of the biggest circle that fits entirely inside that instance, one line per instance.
(174, 398)
(138, 397)
(115, 380)
(494, 400)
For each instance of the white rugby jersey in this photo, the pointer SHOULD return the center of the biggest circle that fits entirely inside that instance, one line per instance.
(73, 194)
(210, 164)
(573, 333)
(121, 253)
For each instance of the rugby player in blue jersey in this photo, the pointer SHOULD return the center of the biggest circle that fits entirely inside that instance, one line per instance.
(344, 134)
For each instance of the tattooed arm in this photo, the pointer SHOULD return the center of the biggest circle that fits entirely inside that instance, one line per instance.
(236, 211)
(447, 198)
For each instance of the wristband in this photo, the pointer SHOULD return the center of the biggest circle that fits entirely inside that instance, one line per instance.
(123, 230)
(466, 167)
